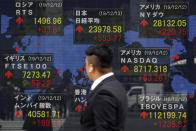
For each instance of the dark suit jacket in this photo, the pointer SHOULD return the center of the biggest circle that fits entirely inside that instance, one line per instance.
(105, 108)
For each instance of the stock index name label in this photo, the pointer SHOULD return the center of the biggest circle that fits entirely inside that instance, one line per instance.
(38, 17)
(147, 64)
(163, 19)
(41, 110)
(33, 71)
(166, 110)
(98, 26)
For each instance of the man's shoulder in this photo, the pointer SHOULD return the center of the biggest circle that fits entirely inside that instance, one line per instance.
(112, 87)
(112, 83)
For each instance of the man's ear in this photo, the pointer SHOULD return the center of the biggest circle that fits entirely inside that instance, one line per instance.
(91, 69)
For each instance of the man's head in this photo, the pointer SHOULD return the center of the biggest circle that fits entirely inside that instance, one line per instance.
(98, 61)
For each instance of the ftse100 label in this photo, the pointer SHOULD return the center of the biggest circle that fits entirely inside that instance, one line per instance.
(33, 70)
(144, 62)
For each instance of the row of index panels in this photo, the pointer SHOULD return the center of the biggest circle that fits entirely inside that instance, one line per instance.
(100, 25)
(143, 63)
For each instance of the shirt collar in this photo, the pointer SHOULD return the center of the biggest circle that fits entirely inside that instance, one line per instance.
(100, 79)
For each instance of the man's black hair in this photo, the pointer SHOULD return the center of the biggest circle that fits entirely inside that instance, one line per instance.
(104, 54)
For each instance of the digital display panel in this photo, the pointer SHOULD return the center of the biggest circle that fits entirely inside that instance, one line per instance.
(44, 80)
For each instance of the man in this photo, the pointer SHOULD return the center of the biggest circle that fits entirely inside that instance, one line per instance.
(106, 107)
